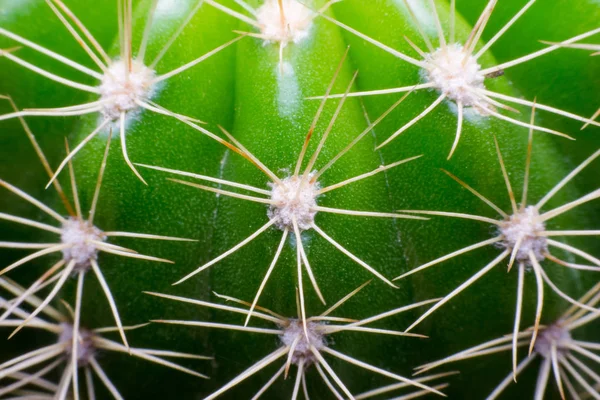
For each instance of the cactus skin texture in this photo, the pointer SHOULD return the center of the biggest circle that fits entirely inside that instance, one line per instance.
(258, 95)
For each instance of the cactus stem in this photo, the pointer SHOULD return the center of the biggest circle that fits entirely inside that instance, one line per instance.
(454, 72)
(76, 346)
(292, 203)
(525, 238)
(555, 345)
(279, 21)
(126, 85)
(304, 341)
(80, 242)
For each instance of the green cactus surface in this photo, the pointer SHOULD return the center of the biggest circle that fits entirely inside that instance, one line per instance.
(285, 199)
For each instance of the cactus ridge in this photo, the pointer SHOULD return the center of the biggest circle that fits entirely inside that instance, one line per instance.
(453, 71)
(304, 340)
(556, 346)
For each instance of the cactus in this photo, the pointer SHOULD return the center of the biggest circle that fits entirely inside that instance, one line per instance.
(290, 199)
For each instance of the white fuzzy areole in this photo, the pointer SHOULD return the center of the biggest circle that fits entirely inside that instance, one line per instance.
(290, 204)
(78, 233)
(556, 335)
(295, 332)
(455, 78)
(525, 225)
(120, 88)
(292, 28)
(85, 346)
